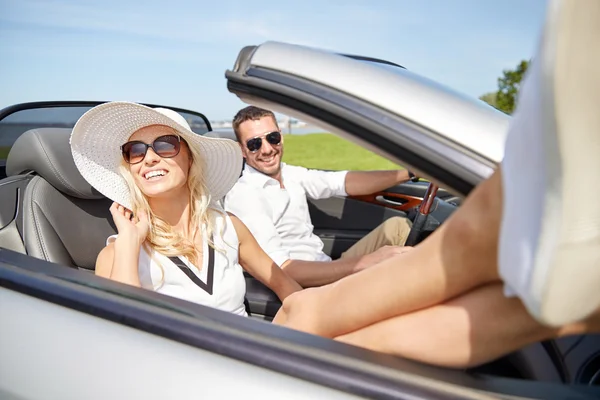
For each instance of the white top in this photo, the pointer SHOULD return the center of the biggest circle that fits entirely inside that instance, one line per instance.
(228, 284)
(524, 177)
(279, 217)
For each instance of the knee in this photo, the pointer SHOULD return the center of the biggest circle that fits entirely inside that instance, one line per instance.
(396, 226)
(300, 311)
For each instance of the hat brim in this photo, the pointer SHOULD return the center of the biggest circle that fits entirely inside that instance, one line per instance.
(99, 133)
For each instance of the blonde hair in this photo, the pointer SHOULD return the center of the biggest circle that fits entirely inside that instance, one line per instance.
(162, 237)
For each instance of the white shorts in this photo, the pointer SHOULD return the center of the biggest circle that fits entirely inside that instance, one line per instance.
(526, 172)
(549, 244)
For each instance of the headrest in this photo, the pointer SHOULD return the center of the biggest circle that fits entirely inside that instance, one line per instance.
(46, 151)
(223, 134)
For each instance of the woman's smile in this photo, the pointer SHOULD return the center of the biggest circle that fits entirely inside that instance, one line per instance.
(155, 174)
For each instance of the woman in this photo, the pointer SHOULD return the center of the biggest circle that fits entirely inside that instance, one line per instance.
(519, 261)
(166, 181)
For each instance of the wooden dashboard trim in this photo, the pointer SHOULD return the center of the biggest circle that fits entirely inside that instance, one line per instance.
(408, 202)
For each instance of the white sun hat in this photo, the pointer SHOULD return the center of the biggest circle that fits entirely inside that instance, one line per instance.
(98, 135)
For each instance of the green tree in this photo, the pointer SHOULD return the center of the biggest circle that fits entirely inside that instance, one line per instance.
(489, 98)
(508, 87)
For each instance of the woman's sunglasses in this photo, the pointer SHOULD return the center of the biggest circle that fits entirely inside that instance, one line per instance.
(254, 144)
(166, 146)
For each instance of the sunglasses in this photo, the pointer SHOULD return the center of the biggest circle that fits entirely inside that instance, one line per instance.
(254, 144)
(166, 146)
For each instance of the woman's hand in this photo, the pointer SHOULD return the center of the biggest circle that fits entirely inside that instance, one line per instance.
(119, 260)
(128, 225)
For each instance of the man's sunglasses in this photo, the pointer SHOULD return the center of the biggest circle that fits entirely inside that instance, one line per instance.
(254, 144)
(166, 146)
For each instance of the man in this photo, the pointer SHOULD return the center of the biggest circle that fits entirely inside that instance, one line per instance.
(270, 198)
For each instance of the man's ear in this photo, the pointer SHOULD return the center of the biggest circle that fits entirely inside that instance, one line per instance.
(243, 150)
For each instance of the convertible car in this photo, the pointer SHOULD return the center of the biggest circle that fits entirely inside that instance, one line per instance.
(66, 333)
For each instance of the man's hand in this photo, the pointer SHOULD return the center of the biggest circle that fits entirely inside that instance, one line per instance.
(412, 176)
(379, 255)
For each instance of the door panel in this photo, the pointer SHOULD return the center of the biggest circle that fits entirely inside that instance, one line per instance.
(417, 189)
(392, 200)
(11, 193)
(262, 301)
(132, 353)
(35, 293)
(341, 221)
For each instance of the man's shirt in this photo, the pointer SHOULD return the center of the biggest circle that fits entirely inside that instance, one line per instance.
(278, 217)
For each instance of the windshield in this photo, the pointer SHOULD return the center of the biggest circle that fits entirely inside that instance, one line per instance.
(62, 116)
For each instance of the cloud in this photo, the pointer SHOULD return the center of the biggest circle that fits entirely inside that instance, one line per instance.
(464, 44)
(327, 28)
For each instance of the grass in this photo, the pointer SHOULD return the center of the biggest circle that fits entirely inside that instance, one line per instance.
(327, 151)
(4, 152)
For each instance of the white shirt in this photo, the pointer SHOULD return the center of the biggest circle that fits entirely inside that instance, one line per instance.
(279, 217)
(228, 284)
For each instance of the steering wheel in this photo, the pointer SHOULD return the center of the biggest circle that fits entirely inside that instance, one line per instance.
(422, 214)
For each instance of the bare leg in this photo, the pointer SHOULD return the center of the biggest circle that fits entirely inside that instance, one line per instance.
(458, 257)
(469, 330)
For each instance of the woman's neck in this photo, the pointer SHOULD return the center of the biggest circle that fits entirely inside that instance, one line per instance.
(174, 210)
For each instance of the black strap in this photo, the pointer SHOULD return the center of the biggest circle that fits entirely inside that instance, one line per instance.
(208, 287)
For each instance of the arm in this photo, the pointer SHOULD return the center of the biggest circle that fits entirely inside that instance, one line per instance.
(318, 273)
(323, 184)
(367, 182)
(119, 262)
(260, 265)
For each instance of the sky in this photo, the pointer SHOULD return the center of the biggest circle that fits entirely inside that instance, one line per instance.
(175, 52)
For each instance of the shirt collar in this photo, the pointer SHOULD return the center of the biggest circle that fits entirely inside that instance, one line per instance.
(257, 177)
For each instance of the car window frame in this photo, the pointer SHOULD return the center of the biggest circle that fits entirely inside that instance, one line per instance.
(402, 141)
(15, 108)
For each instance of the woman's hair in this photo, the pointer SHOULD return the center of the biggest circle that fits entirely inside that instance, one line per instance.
(161, 236)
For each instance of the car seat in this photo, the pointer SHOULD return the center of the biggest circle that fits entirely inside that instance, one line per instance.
(62, 219)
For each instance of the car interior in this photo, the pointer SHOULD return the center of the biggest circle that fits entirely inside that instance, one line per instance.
(48, 211)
